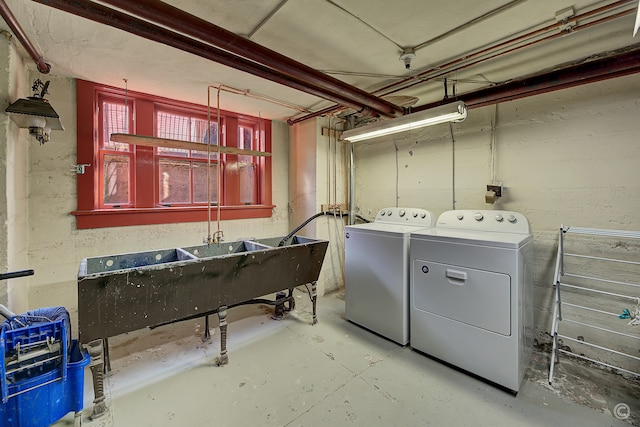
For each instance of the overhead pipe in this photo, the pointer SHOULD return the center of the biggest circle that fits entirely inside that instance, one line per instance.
(518, 48)
(11, 21)
(104, 15)
(444, 69)
(181, 21)
(618, 65)
(416, 79)
(328, 110)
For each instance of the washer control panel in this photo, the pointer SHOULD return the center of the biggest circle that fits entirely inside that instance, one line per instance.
(406, 216)
(485, 220)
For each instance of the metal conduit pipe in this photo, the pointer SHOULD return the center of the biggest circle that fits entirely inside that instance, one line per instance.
(444, 69)
(518, 48)
(324, 111)
(619, 65)
(179, 20)
(604, 71)
(104, 15)
(11, 21)
(403, 84)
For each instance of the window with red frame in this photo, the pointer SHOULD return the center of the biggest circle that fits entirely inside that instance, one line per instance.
(247, 165)
(135, 184)
(184, 176)
(116, 159)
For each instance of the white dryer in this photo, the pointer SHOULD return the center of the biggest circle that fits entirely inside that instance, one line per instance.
(472, 291)
(377, 271)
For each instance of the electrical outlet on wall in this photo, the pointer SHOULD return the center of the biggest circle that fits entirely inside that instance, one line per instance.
(494, 191)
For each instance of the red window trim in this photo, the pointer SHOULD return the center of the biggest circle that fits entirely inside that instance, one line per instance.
(90, 215)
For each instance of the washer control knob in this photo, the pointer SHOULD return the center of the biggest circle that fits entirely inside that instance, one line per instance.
(460, 216)
(499, 218)
(389, 212)
(512, 219)
(415, 214)
(423, 215)
(382, 213)
(478, 216)
(401, 213)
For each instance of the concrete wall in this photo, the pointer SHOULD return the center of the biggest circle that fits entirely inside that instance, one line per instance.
(317, 176)
(14, 149)
(303, 185)
(332, 188)
(570, 157)
(6, 138)
(56, 246)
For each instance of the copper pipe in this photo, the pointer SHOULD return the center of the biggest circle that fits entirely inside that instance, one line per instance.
(104, 15)
(181, 21)
(11, 21)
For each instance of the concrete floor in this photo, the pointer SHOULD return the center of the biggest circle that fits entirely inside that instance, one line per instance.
(289, 373)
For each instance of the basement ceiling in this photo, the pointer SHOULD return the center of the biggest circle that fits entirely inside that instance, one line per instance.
(357, 41)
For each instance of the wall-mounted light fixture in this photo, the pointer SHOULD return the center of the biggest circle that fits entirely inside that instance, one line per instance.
(36, 114)
(454, 112)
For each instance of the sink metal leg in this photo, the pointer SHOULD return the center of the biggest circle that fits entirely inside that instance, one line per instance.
(314, 298)
(223, 359)
(292, 301)
(96, 351)
(207, 334)
(279, 309)
(107, 358)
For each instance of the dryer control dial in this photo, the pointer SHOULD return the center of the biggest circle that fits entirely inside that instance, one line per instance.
(389, 212)
(423, 215)
(402, 213)
(512, 219)
(460, 217)
(499, 218)
(415, 214)
(478, 216)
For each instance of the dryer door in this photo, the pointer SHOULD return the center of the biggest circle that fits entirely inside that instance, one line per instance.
(475, 297)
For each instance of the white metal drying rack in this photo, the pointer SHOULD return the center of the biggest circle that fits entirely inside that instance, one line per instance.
(558, 304)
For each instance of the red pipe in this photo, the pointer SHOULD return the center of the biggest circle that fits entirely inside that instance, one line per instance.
(11, 21)
(442, 69)
(520, 47)
(116, 19)
(181, 21)
(588, 72)
(327, 110)
(400, 85)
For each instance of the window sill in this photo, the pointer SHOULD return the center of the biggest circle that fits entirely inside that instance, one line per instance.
(121, 217)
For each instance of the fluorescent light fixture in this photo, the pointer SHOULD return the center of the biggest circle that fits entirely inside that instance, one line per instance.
(454, 112)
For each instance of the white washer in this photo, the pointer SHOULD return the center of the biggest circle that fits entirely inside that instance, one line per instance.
(472, 291)
(377, 271)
